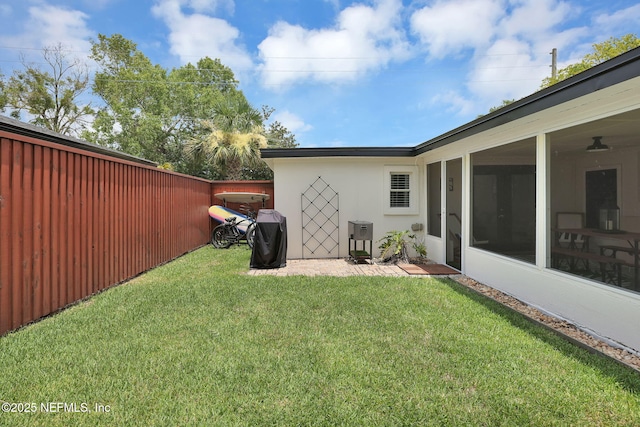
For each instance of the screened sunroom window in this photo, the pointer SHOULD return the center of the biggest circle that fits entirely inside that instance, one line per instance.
(400, 194)
(504, 200)
(594, 201)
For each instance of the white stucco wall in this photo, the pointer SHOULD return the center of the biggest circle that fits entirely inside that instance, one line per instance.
(362, 195)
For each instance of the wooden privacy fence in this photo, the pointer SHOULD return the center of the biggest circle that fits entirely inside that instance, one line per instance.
(74, 222)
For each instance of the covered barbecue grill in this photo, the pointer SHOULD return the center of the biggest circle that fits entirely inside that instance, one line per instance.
(270, 242)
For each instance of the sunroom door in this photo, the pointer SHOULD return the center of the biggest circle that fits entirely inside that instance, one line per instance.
(454, 219)
(504, 209)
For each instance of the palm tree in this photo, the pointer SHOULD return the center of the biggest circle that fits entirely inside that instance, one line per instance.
(233, 137)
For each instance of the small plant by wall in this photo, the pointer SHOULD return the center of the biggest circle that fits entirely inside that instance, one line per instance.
(395, 246)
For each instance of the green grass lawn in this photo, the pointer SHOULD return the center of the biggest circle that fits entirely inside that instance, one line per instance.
(197, 342)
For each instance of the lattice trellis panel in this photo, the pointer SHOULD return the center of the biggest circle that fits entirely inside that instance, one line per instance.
(320, 221)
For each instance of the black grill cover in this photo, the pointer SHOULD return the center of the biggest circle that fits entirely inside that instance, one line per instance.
(270, 243)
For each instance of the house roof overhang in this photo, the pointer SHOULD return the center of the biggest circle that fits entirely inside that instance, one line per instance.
(339, 152)
(601, 76)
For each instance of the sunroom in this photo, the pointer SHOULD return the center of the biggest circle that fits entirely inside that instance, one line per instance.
(540, 199)
(581, 182)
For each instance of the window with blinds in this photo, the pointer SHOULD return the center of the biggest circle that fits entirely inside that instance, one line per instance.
(400, 190)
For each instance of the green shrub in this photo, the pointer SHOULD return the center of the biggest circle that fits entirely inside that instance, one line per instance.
(395, 246)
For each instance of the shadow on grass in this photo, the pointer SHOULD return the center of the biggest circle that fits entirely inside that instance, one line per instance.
(624, 375)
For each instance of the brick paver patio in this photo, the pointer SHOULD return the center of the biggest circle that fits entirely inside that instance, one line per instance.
(330, 267)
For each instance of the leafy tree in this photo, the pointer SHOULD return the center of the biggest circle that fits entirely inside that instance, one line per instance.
(601, 52)
(3, 95)
(51, 96)
(505, 102)
(150, 111)
(277, 136)
(233, 138)
(132, 90)
(224, 145)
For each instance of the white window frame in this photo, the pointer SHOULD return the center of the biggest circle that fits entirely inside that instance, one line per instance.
(412, 171)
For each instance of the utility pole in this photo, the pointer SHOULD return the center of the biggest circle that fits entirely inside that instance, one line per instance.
(554, 63)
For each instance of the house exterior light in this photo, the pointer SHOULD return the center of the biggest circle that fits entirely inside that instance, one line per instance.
(597, 145)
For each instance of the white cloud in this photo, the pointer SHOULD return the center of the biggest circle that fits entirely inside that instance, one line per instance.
(48, 25)
(455, 103)
(292, 122)
(363, 39)
(200, 6)
(497, 76)
(530, 18)
(203, 6)
(510, 40)
(619, 20)
(197, 35)
(449, 27)
(518, 58)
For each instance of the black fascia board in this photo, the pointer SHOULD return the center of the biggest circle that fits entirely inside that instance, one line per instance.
(271, 153)
(17, 127)
(616, 70)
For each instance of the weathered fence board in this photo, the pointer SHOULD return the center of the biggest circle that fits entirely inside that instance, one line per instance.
(74, 222)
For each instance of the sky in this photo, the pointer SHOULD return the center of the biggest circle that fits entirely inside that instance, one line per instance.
(341, 73)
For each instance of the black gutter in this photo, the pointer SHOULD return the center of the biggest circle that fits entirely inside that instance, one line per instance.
(269, 153)
(8, 124)
(601, 76)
